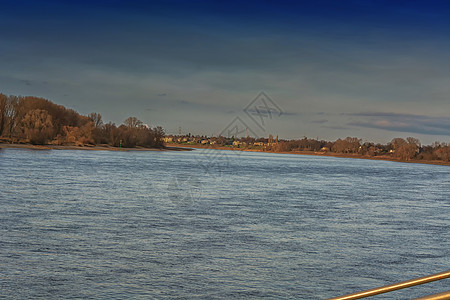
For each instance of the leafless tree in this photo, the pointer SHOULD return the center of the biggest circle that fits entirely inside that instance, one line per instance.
(133, 122)
(97, 119)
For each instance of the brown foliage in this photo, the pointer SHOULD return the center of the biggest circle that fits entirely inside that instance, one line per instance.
(39, 121)
(37, 127)
(405, 149)
(79, 136)
(442, 151)
(349, 145)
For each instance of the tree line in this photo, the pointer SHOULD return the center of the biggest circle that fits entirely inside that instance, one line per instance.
(39, 121)
(399, 148)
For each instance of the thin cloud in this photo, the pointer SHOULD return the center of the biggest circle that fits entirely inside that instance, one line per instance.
(185, 102)
(272, 112)
(323, 121)
(336, 127)
(411, 123)
(288, 113)
(191, 105)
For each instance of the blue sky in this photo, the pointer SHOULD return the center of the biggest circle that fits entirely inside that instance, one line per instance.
(372, 69)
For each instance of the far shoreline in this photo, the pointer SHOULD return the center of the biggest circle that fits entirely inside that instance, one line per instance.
(184, 147)
(312, 153)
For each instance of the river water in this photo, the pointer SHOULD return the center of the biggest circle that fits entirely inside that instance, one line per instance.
(212, 224)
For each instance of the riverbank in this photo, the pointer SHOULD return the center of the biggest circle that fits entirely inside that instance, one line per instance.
(331, 154)
(92, 148)
(184, 147)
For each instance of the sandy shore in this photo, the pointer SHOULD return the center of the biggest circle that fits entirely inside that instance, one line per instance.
(92, 148)
(342, 155)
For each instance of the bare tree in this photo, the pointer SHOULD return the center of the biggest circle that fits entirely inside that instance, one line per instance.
(158, 136)
(405, 149)
(97, 119)
(3, 101)
(413, 141)
(397, 143)
(133, 122)
(349, 145)
(14, 113)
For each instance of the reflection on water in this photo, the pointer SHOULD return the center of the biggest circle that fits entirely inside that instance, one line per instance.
(88, 224)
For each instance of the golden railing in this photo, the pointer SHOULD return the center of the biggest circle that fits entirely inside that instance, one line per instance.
(402, 285)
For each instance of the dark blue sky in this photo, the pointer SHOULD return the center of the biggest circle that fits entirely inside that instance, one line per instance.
(372, 69)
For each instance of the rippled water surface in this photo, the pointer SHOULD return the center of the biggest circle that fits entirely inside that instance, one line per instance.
(217, 224)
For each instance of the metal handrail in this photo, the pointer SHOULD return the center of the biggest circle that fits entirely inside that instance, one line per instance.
(395, 286)
(440, 296)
